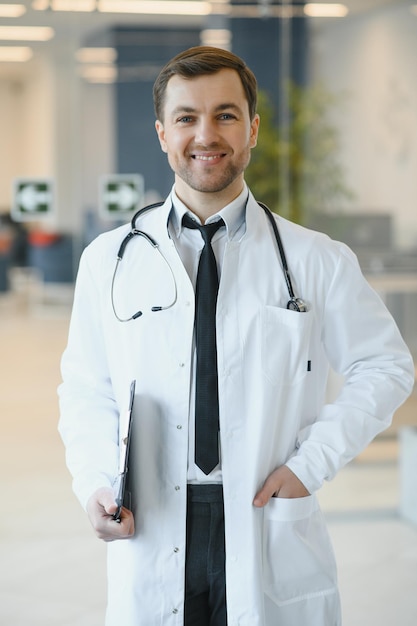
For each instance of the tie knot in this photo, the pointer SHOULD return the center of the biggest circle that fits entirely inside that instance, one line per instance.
(207, 230)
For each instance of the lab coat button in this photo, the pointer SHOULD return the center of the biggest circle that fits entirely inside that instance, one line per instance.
(177, 487)
(179, 426)
(182, 364)
(176, 549)
(175, 611)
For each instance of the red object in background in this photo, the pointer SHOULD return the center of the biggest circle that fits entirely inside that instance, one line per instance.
(5, 242)
(42, 239)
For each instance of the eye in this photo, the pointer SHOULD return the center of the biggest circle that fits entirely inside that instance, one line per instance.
(185, 119)
(227, 116)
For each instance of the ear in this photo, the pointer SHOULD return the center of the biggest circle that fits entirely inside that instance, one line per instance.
(161, 135)
(254, 130)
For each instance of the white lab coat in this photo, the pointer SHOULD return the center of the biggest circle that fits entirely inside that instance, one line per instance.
(273, 367)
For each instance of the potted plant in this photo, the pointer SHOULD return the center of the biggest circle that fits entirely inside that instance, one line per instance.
(295, 169)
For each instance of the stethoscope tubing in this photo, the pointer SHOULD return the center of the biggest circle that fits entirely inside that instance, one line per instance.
(294, 303)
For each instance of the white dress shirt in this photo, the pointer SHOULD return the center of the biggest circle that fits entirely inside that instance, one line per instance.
(189, 244)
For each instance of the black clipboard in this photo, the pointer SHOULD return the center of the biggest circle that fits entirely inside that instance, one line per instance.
(122, 496)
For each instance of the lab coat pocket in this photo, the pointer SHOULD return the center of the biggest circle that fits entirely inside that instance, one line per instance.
(285, 342)
(299, 562)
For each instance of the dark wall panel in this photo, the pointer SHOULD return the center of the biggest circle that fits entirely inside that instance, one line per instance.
(141, 55)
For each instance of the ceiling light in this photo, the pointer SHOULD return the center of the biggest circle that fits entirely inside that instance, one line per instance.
(12, 10)
(315, 9)
(166, 7)
(73, 5)
(217, 37)
(26, 33)
(12, 54)
(99, 73)
(40, 5)
(257, 11)
(64, 5)
(96, 55)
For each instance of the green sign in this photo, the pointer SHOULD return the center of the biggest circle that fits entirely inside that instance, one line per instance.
(121, 195)
(33, 198)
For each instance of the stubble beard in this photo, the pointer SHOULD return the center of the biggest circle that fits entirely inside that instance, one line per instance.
(213, 182)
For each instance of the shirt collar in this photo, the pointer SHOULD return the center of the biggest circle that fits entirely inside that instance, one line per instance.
(233, 214)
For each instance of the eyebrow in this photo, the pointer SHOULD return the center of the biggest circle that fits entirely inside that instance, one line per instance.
(226, 106)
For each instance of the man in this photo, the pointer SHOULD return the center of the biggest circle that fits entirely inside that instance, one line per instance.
(239, 540)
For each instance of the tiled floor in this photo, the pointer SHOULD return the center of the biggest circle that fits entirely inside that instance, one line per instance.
(52, 567)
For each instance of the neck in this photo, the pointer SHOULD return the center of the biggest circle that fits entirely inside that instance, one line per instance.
(206, 204)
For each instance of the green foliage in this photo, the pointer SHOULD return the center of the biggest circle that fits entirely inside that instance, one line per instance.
(295, 169)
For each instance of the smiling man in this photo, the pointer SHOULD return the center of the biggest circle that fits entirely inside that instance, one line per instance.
(207, 130)
(232, 435)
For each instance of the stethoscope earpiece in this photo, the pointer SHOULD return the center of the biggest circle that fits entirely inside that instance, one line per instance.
(134, 232)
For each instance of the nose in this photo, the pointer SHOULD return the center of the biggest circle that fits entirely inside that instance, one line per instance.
(206, 131)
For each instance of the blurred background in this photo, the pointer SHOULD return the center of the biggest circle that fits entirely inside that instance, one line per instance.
(78, 155)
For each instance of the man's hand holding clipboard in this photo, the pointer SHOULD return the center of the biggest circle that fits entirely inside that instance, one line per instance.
(122, 495)
(108, 505)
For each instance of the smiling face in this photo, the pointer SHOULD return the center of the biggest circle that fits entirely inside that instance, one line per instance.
(207, 134)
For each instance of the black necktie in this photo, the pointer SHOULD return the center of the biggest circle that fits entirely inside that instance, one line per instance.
(207, 396)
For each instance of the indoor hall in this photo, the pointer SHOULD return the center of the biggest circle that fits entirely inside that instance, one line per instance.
(75, 115)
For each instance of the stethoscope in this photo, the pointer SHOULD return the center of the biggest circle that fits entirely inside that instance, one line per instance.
(293, 304)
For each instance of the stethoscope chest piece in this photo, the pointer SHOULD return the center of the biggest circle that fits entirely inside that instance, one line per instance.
(297, 304)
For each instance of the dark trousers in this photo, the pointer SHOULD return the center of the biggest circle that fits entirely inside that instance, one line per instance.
(205, 588)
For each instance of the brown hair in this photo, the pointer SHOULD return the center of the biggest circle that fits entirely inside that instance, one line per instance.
(199, 61)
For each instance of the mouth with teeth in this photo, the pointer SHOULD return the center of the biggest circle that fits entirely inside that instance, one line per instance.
(209, 158)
